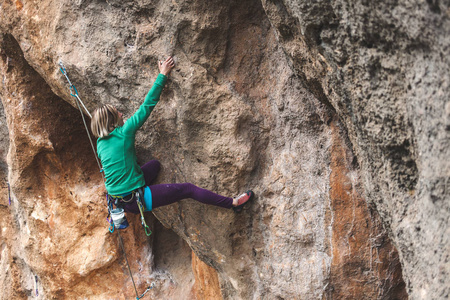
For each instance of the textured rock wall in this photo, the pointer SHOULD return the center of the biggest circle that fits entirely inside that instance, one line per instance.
(326, 110)
(383, 66)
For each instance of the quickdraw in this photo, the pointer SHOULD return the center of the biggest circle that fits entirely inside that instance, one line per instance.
(78, 101)
(139, 197)
(73, 88)
(148, 289)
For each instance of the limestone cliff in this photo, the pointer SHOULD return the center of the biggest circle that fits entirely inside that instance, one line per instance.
(335, 113)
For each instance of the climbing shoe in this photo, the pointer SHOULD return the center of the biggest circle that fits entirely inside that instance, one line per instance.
(242, 199)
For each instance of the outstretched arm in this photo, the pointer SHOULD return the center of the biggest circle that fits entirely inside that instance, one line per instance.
(152, 98)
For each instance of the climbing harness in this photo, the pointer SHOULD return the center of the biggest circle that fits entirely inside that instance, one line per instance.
(136, 195)
(118, 223)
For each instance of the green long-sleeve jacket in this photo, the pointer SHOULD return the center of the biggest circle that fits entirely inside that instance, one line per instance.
(117, 152)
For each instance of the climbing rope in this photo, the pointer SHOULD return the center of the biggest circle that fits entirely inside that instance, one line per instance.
(128, 265)
(111, 228)
(73, 88)
(75, 94)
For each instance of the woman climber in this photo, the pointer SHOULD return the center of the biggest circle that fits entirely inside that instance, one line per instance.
(116, 150)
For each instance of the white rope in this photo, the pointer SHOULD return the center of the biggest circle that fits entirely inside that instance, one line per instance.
(85, 109)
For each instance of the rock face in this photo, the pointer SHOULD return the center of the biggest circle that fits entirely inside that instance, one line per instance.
(335, 113)
(384, 68)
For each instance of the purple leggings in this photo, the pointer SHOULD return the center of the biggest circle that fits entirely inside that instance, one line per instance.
(165, 194)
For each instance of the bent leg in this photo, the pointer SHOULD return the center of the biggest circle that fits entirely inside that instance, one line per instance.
(165, 194)
(151, 170)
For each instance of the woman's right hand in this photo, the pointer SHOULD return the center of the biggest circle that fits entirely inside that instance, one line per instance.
(166, 66)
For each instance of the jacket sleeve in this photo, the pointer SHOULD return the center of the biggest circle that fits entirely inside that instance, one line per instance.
(142, 114)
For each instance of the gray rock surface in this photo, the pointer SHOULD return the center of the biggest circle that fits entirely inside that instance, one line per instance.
(384, 67)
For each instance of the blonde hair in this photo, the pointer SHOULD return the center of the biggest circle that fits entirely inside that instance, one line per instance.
(104, 120)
